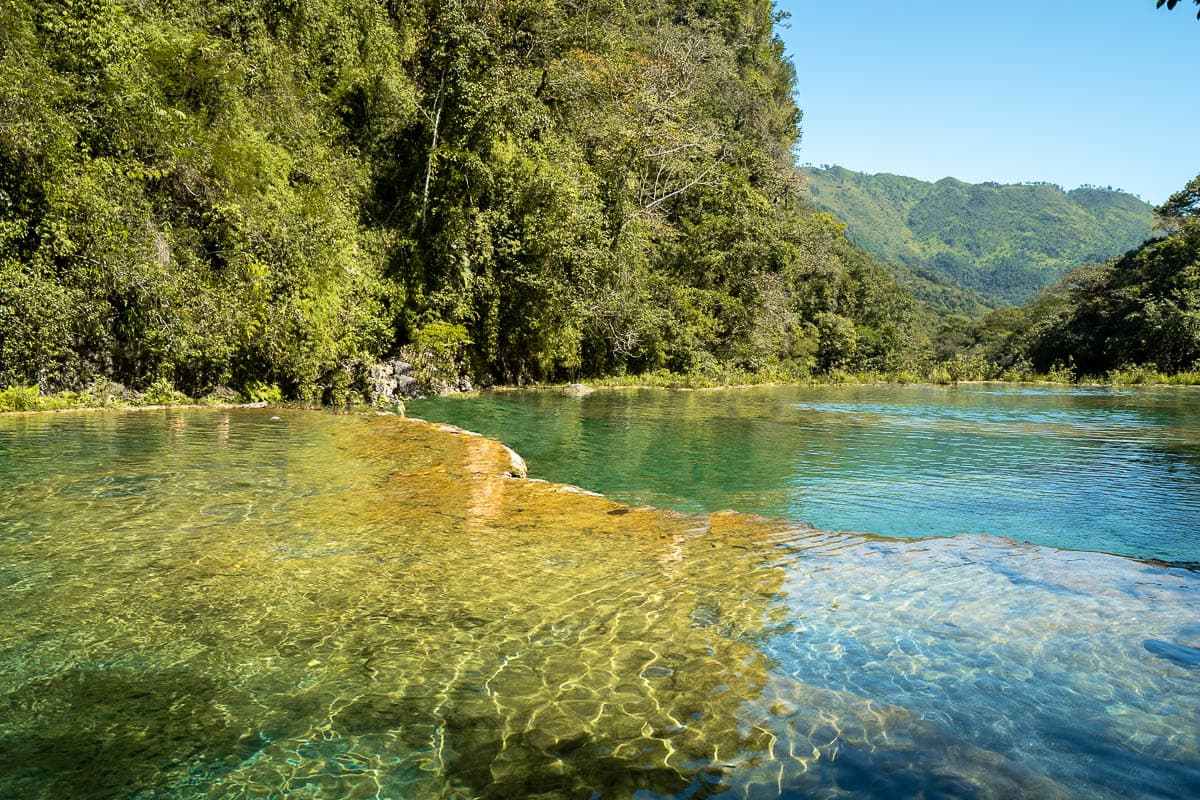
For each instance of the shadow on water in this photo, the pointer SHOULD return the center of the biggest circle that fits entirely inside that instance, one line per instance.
(1183, 655)
(104, 733)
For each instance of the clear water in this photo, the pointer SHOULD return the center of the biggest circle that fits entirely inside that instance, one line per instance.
(216, 604)
(1087, 469)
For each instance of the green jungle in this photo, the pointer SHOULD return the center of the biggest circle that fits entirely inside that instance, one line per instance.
(263, 198)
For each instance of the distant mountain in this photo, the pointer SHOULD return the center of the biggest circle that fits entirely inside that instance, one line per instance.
(958, 245)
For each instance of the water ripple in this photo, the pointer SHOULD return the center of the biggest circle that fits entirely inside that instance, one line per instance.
(338, 607)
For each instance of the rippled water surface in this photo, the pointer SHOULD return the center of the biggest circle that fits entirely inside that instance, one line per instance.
(216, 604)
(1088, 469)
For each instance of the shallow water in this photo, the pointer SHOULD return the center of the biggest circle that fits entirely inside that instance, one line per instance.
(215, 604)
(1087, 469)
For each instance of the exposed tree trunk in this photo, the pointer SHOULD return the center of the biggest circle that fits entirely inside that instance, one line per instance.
(435, 121)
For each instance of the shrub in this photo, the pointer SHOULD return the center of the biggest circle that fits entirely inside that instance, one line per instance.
(437, 352)
(268, 393)
(20, 398)
(1061, 373)
(163, 393)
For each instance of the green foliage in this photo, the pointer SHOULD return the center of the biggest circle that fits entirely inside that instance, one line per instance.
(258, 392)
(174, 200)
(163, 393)
(1135, 319)
(1148, 376)
(441, 341)
(1183, 205)
(973, 367)
(20, 398)
(31, 398)
(244, 194)
(962, 247)
(1142, 309)
(438, 352)
(939, 294)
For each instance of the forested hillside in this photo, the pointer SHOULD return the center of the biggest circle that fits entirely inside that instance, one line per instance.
(1135, 313)
(227, 193)
(1003, 242)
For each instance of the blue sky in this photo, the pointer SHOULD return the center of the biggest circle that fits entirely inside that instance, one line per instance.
(1105, 92)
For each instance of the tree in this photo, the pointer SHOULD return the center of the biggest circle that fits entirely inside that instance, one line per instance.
(1183, 205)
(1170, 4)
(231, 193)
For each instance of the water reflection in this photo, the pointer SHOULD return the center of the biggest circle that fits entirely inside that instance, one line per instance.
(335, 607)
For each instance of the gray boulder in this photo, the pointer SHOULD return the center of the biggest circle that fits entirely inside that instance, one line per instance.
(389, 384)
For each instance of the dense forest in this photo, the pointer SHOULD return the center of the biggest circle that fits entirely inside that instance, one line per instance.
(1000, 243)
(276, 194)
(1139, 312)
(219, 194)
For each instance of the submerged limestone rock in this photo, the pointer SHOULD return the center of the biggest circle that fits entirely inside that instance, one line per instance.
(577, 390)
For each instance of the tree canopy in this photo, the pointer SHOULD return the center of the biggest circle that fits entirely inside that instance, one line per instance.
(1184, 204)
(250, 192)
(218, 194)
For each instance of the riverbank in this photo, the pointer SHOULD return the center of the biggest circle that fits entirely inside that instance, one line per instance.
(161, 394)
(104, 396)
(744, 379)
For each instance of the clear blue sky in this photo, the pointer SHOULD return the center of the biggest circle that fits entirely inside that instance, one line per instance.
(1069, 91)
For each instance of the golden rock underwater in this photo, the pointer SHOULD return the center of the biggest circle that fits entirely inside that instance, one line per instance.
(253, 604)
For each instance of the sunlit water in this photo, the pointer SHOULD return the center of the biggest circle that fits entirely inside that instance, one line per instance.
(1088, 469)
(216, 604)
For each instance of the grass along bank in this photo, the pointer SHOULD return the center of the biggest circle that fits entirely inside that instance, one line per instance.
(944, 374)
